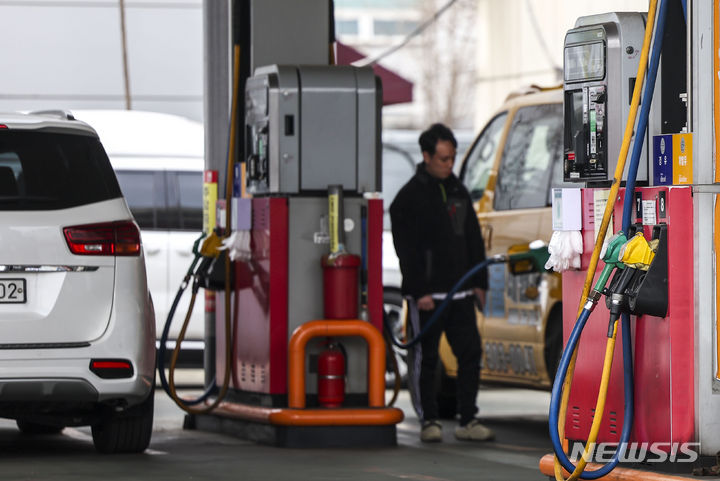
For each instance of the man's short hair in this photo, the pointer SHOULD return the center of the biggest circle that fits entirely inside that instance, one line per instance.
(429, 139)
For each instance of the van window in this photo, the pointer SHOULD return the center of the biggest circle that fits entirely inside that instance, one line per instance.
(533, 144)
(168, 200)
(189, 200)
(480, 160)
(144, 195)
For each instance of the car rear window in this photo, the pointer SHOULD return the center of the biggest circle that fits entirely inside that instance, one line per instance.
(48, 170)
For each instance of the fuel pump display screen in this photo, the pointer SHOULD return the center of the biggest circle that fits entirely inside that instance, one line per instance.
(584, 62)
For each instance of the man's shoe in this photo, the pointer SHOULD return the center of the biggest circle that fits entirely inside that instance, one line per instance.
(431, 432)
(474, 431)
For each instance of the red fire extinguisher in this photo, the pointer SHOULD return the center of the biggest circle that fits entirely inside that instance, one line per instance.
(331, 377)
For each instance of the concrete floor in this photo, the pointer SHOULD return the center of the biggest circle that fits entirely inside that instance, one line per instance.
(518, 416)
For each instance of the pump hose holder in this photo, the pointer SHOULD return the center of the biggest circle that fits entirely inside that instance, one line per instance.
(648, 293)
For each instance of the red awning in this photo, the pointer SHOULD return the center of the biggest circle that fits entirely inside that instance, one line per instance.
(396, 89)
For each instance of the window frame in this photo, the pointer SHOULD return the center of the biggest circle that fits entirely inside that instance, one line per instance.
(174, 207)
(549, 169)
(159, 195)
(480, 136)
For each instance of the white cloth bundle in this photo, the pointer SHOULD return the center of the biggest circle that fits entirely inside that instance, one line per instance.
(565, 249)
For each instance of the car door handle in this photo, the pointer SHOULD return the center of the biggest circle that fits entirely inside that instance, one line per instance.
(152, 252)
(183, 253)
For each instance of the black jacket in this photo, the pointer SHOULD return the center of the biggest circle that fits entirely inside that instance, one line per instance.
(436, 235)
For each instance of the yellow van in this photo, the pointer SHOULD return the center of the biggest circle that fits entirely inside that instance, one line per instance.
(509, 171)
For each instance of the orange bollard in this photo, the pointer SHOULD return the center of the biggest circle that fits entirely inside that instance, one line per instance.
(337, 328)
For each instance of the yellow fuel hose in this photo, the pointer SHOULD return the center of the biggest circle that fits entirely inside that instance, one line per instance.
(599, 407)
(620, 167)
(228, 287)
(716, 245)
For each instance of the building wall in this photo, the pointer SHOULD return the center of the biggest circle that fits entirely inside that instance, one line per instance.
(440, 61)
(510, 53)
(516, 43)
(67, 54)
(374, 26)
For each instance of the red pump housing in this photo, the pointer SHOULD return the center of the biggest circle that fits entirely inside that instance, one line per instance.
(331, 377)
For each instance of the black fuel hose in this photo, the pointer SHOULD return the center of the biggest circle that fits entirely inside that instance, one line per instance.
(388, 337)
(162, 349)
(443, 305)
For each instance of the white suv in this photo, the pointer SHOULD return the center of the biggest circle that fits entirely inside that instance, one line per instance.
(77, 327)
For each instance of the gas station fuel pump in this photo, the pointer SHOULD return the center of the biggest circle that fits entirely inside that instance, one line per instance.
(312, 168)
(646, 392)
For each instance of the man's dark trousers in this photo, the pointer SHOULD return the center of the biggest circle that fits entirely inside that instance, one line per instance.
(458, 322)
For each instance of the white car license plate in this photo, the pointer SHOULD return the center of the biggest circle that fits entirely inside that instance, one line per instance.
(12, 291)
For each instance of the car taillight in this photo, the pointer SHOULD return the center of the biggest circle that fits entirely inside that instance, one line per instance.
(107, 239)
(111, 368)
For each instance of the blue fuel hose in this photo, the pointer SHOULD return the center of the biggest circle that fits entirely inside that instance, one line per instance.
(684, 9)
(644, 114)
(443, 305)
(556, 396)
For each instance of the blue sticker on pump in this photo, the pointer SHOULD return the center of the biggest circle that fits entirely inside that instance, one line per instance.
(662, 160)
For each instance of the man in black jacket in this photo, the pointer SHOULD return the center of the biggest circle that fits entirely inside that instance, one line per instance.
(437, 239)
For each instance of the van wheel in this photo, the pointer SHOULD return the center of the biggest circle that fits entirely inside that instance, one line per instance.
(393, 305)
(553, 341)
(29, 427)
(125, 432)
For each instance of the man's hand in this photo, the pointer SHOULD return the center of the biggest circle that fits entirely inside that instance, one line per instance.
(426, 303)
(480, 295)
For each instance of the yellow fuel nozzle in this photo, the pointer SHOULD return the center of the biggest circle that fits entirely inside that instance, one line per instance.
(211, 246)
(638, 252)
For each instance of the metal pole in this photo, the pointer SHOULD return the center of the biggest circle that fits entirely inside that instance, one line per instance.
(216, 32)
(126, 73)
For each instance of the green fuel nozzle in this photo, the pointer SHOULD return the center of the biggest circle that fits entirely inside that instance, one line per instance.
(611, 256)
(531, 259)
(633, 256)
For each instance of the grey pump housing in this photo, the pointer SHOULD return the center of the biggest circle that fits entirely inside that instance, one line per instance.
(602, 54)
(309, 127)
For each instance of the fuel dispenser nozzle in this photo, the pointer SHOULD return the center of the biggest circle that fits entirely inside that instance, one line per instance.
(635, 257)
(638, 252)
(617, 298)
(532, 259)
(611, 256)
